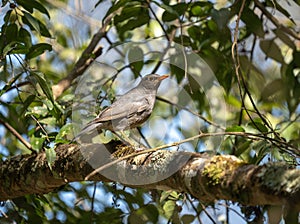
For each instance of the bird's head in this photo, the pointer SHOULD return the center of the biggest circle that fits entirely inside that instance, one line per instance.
(152, 81)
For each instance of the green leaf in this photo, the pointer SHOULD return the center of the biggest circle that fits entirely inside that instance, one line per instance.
(36, 143)
(274, 88)
(131, 24)
(67, 129)
(48, 120)
(32, 4)
(44, 30)
(120, 4)
(127, 13)
(253, 23)
(40, 78)
(38, 111)
(136, 59)
(11, 32)
(14, 47)
(37, 50)
(270, 48)
(188, 218)
(145, 214)
(173, 12)
(242, 147)
(35, 24)
(25, 37)
(27, 102)
(221, 17)
(278, 7)
(31, 21)
(7, 16)
(235, 128)
(50, 155)
(259, 126)
(48, 103)
(201, 9)
(169, 208)
(284, 38)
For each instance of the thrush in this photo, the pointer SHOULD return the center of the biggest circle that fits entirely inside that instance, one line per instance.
(129, 110)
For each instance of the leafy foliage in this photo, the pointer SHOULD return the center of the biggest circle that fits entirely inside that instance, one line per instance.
(37, 50)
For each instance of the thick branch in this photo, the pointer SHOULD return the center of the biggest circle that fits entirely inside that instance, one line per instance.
(207, 178)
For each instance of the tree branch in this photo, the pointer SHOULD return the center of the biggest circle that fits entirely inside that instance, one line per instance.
(205, 177)
(86, 59)
(17, 135)
(275, 21)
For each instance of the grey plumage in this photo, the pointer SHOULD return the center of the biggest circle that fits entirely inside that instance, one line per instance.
(129, 110)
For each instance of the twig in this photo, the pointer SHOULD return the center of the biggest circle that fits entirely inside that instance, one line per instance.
(159, 22)
(240, 78)
(87, 57)
(93, 202)
(71, 12)
(206, 212)
(192, 112)
(17, 135)
(275, 21)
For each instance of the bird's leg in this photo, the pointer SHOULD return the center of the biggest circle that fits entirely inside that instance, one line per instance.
(125, 138)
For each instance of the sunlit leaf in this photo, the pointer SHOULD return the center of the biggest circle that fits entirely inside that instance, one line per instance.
(48, 120)
(271, 50)
(66, 130)
(31, 21)
(38, 111)
(284, 38)
(36, 143)
(32, 4)
(38, 49)
(169, 208)
(235, 128)
(50, 155)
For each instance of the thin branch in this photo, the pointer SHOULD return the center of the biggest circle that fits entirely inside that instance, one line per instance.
(17, 135)
(240, 78)
(275, 21)
(93, 202)
(207, 214)
(192, 112)
(87, 57)
(159, 22)
(71, 12)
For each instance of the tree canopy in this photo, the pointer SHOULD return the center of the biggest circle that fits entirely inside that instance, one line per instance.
(228, 114)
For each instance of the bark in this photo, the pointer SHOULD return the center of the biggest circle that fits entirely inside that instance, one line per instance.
(205, 177)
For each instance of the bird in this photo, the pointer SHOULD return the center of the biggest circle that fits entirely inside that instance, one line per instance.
(129, 110)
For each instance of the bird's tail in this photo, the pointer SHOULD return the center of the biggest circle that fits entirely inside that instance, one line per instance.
(88, 132)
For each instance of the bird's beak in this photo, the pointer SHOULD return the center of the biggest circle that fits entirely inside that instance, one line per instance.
(163, 77)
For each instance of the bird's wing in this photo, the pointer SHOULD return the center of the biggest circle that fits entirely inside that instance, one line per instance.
(122, 108)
